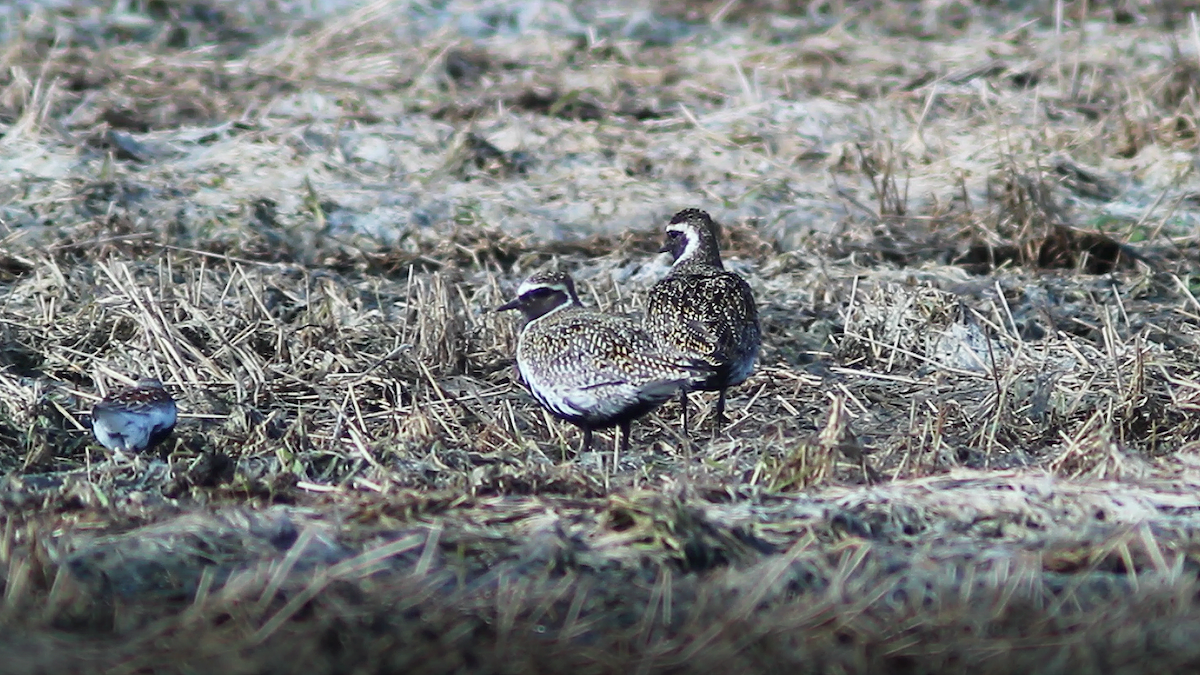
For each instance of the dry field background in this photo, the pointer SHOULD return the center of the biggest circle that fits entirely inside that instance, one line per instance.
(972, 437)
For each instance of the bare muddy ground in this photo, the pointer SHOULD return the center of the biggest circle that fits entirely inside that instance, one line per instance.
(971, 438)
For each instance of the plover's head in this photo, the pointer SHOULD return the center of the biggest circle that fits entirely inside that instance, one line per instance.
(692, 237)
(136, 418)
(543, 293)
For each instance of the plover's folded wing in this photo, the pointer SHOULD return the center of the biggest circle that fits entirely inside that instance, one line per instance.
(610, 399)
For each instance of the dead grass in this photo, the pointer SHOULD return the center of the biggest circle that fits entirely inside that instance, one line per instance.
(970, 439)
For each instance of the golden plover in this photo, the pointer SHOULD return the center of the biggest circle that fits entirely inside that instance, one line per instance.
(592, 369)
(134, 419)
(703, 311)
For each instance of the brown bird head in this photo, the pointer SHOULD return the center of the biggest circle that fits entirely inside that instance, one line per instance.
(692, 237)
(542, 293)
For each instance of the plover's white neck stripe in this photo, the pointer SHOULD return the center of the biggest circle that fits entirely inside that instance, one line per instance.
(692, 237)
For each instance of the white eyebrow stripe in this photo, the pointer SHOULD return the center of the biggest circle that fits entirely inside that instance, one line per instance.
(527, 287)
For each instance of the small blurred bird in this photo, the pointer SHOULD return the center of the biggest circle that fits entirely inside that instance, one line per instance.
(134, 419)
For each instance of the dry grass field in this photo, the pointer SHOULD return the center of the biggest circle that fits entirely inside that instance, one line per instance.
(972, 440)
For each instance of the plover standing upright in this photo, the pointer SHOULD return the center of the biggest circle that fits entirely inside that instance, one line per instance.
(134, 419)
(703, 311)
(592, 369)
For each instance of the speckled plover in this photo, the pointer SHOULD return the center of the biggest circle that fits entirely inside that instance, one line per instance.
(702, 311)
(592, 369)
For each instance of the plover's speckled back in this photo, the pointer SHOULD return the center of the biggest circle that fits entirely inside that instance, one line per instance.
(592, 369)
(134, 419)
(703, 311)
